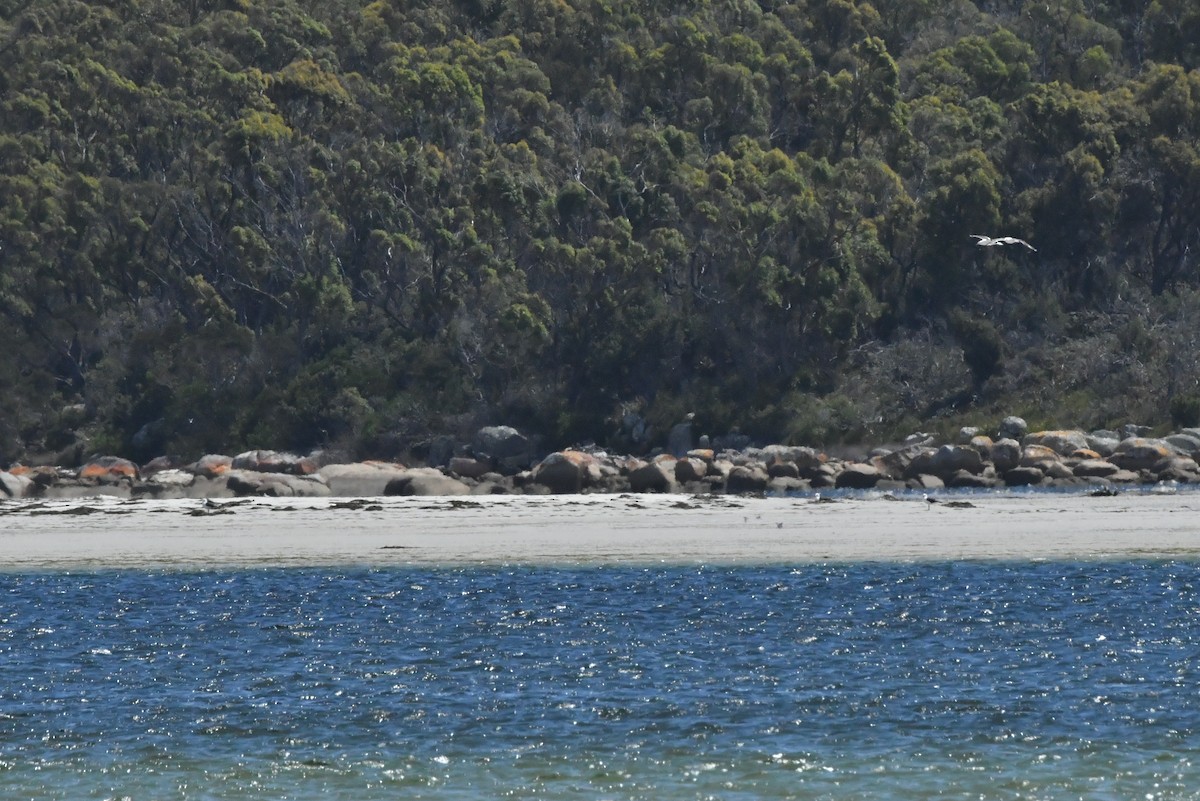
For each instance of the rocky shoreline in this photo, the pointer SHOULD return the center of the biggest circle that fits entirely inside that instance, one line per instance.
(502, 461)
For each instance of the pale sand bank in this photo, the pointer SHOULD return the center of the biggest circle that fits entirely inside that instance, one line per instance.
(593, 529)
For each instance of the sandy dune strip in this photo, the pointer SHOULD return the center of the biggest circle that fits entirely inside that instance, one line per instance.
(591, 529)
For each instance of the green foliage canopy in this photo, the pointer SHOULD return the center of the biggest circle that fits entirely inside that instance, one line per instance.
(290, 224)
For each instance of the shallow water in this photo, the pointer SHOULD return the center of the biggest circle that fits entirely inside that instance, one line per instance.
(971, 680)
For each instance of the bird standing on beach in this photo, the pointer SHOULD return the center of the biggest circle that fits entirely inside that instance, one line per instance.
(992, 241)
(929, 501)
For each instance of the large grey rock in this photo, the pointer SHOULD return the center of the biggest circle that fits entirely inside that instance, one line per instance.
(12, 486)
(1006, 454)
(109, 470)
(945, 461)
(857, 475)
(212, 465)
(805, 458)
(787, 486)
(277, 485)
(1182, 469)
(1064, 442)
(926, 481)
(509, 449)
(781, 468)
(425, 482)
(169, 483)
(70, 455)
(720, 469)
(264, 461)
(744, 479)
(40, 478)
(1040, 456)
(469, 467)
(983, 444)
(1058, 470)
(1071, 482)
(1023, 476)
(966, 480)
(1094, 468)
(689, 469)
(360, 479)
(1185, 442)
(172, 478)
(255, 461)
(1137, 453)
(566, 471)
(656, 476)
(1012, 427)
(1103, 442)
(159, 464)
(949, 459)
(824, 476)
(898, 463)
(492, 484)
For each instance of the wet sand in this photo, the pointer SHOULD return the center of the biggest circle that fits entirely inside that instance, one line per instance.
(99, 533)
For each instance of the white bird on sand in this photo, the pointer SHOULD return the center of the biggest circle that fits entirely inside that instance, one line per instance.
(992, 241)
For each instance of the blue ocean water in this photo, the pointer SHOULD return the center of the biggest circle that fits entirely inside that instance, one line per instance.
(970, 680)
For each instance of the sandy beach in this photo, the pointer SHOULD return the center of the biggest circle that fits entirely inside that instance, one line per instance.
(592, 529)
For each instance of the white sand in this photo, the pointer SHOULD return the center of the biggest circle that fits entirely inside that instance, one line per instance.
(609, 529)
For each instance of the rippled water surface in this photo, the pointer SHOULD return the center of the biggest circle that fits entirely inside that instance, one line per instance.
(933, 680)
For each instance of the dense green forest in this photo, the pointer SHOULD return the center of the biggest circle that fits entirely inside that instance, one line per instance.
(293, 224)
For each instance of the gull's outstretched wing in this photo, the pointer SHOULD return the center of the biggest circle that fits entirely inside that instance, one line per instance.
(991, 241)
(1012, 240)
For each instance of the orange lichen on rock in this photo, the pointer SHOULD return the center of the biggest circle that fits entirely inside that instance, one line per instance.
(109, 468)
(212, 465)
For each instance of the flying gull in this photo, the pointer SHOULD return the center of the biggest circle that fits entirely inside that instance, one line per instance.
(992, 241)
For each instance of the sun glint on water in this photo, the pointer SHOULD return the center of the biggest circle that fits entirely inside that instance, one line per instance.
(932, 680)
